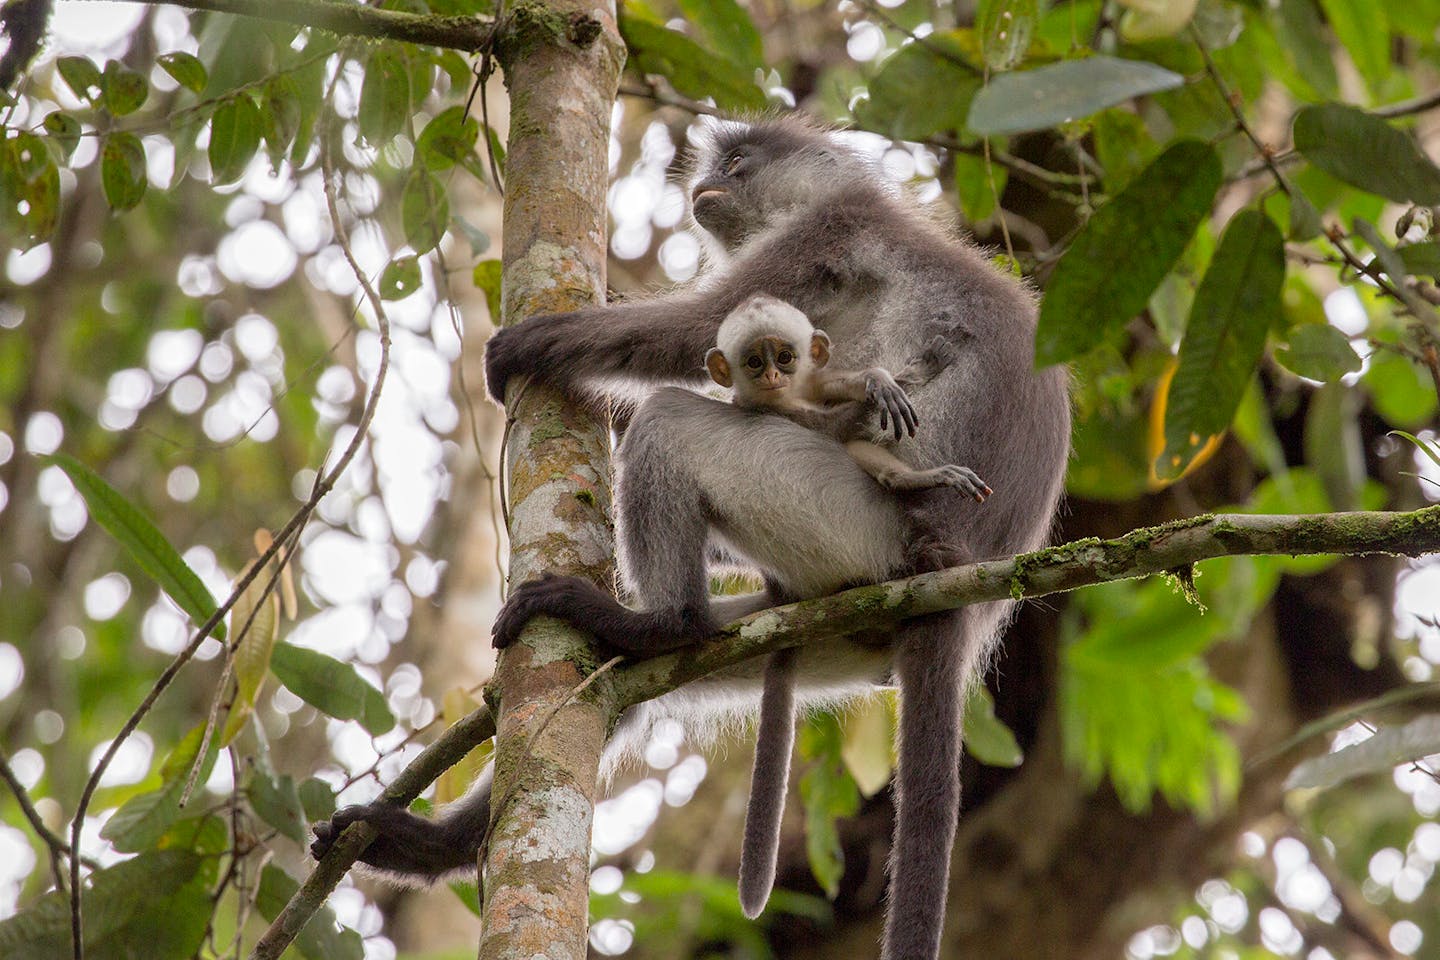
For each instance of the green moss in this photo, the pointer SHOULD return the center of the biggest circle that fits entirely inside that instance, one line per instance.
(586, 497)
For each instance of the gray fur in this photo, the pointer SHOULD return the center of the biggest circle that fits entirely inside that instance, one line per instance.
(809, 222)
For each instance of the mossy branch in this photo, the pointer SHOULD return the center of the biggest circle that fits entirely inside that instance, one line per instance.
(469, 34)
(1081, 563)
(444, 753)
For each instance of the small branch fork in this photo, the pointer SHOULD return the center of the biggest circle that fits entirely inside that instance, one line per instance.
(1140, 553)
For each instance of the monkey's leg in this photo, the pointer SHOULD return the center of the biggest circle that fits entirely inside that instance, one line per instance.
(411, 847)
(892, 473)
(769, 782)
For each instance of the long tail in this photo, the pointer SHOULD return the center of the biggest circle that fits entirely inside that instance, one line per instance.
(774, 738)
(935, 662)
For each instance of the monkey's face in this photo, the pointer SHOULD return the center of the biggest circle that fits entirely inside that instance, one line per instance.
(750, 174)
(769, 369)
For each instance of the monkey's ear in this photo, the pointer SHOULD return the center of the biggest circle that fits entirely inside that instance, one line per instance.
(820, 348)
(718, 366)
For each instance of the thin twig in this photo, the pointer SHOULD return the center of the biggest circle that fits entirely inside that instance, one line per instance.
(466, 33)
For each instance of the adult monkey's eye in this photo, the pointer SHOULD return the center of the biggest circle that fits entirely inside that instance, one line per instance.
(732, 163)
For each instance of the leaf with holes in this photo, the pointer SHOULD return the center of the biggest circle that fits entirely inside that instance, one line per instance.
(83, 78)
(1006, 28)
(1061, 92)
(235, 131)
(1120, 256)
(1236, 306)
(400, 279)
(1366, 152)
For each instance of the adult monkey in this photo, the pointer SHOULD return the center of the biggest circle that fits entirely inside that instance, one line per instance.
(787, 210)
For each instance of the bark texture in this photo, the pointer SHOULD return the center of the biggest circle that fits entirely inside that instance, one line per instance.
(562, 62)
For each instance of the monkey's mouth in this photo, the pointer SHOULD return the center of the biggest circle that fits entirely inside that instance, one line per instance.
(707, 195)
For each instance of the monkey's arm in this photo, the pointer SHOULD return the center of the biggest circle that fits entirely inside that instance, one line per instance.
(892, 473)
(875, 387)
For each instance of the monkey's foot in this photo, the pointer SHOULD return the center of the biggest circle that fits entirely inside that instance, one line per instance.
(407, 845)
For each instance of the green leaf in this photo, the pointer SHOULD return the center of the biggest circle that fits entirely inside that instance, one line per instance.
(448, 139)
(869, 748)
(122, 169)
(1125, 250)
(322, 938)
(1306, 44)
(167, 922)
(690, 68)
(1366, 152)
(1006, 29)
(972, 185)
(1305, 222)
(924, 89)
(384, 96)
(64, 130)
(82, 76)
(252, 652)
(1360, 25)
(1062, 92)
(1319, 352)
(827, 792)
(235, 131)
(277, 802)
(987, 739)
(279, 116)
(331, 686)
(1421, 259)
(1237, 304)
(144, 542)
(400, 279)
(1381, 753)
(318, 799)
(1400, 393)
(187, 70)
(29, 189)
(487, 277)
(125, 90)
(478, 239)
(725, 28)
(424, 210)
(144, 818)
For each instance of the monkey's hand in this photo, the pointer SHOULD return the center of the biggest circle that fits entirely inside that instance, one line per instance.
(524, 348)
(964, 479)
(896, 410)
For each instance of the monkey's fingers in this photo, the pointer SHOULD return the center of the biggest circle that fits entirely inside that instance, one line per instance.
(519, 609)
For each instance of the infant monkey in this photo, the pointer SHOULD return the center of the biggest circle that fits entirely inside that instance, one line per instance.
(775, 360)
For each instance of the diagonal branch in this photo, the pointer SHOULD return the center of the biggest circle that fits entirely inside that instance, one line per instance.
(444, 753)
(1140, 553)
(357, 20)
